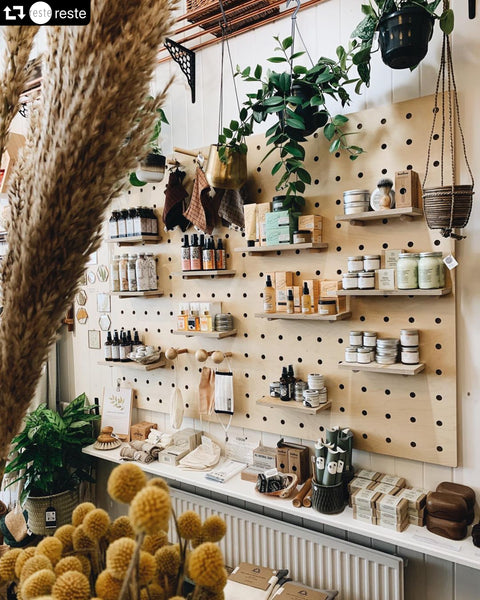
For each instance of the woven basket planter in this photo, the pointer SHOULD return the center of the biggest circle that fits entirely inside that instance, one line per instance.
(63, 503)
(437, 206)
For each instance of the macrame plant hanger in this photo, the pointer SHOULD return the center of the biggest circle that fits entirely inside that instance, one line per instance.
(447, 207)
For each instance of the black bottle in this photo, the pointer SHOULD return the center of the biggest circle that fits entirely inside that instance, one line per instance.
(115, 347)
(291, 382)
(284, 388)
(107, 347)
(136, 340)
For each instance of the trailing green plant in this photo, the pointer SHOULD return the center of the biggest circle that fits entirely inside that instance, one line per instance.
(154, 144)
(47, 455)
(298, 97)
(363, 36)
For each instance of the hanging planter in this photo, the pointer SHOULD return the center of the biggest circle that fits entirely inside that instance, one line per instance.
(403, 36)
(151, 168)
(227, 174)
(447, 207)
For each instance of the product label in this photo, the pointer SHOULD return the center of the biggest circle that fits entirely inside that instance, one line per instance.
(122, 231)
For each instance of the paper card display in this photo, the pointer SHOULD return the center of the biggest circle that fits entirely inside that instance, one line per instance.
(293, 591)
(117, 410)
(252, 575)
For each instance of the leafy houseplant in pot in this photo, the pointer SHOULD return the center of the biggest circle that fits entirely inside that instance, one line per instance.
(298, 98)
(47, 457)
(152, 167)
(404, 30)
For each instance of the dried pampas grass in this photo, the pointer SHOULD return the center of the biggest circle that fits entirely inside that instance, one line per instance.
(92, 124)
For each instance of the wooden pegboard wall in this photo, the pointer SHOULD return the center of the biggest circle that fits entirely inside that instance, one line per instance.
(410, 417)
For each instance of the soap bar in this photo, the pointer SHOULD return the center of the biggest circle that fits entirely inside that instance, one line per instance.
(452, 530)
(461, 490)
(447, 506)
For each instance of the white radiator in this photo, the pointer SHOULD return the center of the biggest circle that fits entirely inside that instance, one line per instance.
(312, 558)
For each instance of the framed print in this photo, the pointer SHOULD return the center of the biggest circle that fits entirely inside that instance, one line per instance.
(94, 341)
(117, 410)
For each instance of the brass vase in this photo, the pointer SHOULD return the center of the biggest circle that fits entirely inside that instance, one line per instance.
(229, 175)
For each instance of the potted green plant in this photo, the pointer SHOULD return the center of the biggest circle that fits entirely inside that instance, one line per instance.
(152, 167)
(47, 458)
(404, 30)
(298, 97)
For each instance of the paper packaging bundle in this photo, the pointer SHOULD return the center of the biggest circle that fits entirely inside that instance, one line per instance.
(384, 488)
(140, 431)
(392, 512)
(363, 504)
(372, 475)
(312, 223)
(407, 189)
(264, 459)
(187, 436)
(293, 458)
(283, 280)
(279, 226)
(332, 285)
(393, 480)
(261, 211)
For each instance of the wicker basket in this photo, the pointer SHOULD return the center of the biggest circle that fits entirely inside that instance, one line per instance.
(328, 499)
(63, 503)
(437, 205)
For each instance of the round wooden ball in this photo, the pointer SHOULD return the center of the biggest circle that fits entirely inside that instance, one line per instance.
(171, 354)
(201, 355)
(217, 357)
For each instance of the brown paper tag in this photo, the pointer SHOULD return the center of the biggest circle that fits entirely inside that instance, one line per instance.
(293, 591)
(252, 575)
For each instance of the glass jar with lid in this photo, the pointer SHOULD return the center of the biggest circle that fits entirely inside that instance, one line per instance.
(364, 356)
(350, 281)
(371, 262)
(355, 264)
(356, 338)
(441, 268)
(366, 280)
(407, 271)
(409, 337)
(351, 354)
(428, 271)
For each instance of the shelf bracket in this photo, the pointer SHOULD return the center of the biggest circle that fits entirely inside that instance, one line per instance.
(186, 59)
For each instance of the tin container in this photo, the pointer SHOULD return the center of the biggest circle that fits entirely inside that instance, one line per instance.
(366, 280)
(350, 281)
(371, 262)
(355, 264)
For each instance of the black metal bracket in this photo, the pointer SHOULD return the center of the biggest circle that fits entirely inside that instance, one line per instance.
(186, 59)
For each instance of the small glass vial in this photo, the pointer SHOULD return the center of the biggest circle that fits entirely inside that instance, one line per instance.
(122, 223)
(351, 355)
(123, 272)
(356, 338)
(407, 271)
(141, 272)
(132, 273)
(441, 268)
(364, 356)
(366, 280)
(130, 221)
(409, 337)
(369, 339)
(355, 264)
(113, 225)
(410, 356)
(115, 274)
(350, 281)
(137, 222)
(371, 262)
(428, 271)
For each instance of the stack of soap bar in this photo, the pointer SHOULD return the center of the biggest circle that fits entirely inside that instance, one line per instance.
(392, 512)
(363, 504)
(449, 510)
(416, 499)
(279, 226)
(312, 223)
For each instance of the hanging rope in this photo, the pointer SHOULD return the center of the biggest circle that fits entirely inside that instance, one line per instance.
(435, 208)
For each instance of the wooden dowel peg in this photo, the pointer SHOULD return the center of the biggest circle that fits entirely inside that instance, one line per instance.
(172, 353)
(219, 357)
(186, 152)
(201, 355)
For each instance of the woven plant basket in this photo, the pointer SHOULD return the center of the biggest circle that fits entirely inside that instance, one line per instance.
(447, 207)
(63, 503)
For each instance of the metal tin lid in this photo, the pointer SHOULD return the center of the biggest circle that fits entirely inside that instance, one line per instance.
(370, 333)
(351, 349)
(347, 192)
(428, 254)
(327, 301)
(438, 254)
(408, 255)
(363, 350)
(350, 274)
(366, 274)
(371, 256)
(409, 331)
(355, 258)
(356, 332)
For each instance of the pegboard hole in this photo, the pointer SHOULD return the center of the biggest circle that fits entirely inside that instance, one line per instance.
(408, 142)
(259, 169)
(385, 245)
(341, 386)
(364, 389)
(362, 318)
(411, 319)
(438, 320)
(388, 440)
(438, 371)
(386, 319)
(436, 163)
(340, 340)
(436, 243)
(361, 247)
(408, 116)
(338, 248)
(338, 225)
(339, 271)
(439, 423)
(316, 182)
(413, 444)
(321, 428)
(337, 178)
(342, 409)
(299, 338)
(436, 136)
(337, 154)
(247, 415)
(280, 337)
(364, 413)
(315, 158)
(337, 201)
(317, 204)
(388, 416)
(387, 392)
(438, 346)
(282, 421)
(439, 449)
(410, 244)
(364, 436)
(319, 339)
(264, 418)
(384, 171)
(413, 394)
(317, 272)
(301, 425)
(413, 420)
(263, 357)
(360, 175)
(383, 146)
(280, 358)
(383, 121)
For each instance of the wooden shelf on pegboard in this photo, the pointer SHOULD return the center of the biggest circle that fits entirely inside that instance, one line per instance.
(218, 335)
(403, 214)
(135, 239)
(417, 292)
(260, 250)
(304, 317)
(147, 294)
(292, 405)
(134, 365)
(197, 274)
(374, 367)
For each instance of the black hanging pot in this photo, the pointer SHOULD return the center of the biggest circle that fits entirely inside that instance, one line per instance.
(404, 36)
(311, 115)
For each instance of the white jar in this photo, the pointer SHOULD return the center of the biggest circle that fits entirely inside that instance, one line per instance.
(428, 271)
(407, 271)
(115, 274)
(315, 381)
(132, 273)
(364, 356)
(410, 356)
(409, 337)
(351, 355)
(371, 262)
(356, 338)
(366, 280)
(311, 398)
(323, 395)
(152, 271)
(141, 272)
(355, 264)
(441, 268)
(369, 339)
(350, 281)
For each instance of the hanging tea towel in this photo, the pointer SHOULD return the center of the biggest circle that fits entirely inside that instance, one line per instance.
(201, 211)
(231, 206)
(173, 208)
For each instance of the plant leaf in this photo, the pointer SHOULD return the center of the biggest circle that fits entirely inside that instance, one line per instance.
(287, 42)
(329, 131)
(276, 167)
(447, 21)
(339, 120)
(277, 59)
(258, 71)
